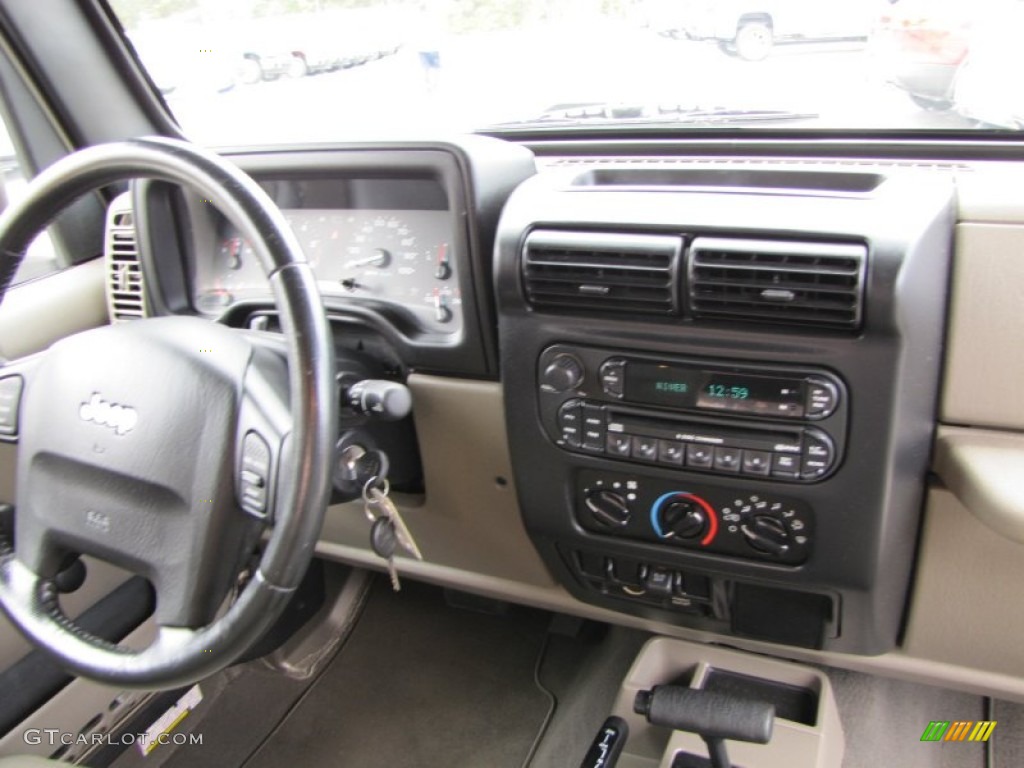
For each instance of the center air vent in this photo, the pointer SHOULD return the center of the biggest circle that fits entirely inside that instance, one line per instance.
(601, 271)
(819, 284)
(125, 295)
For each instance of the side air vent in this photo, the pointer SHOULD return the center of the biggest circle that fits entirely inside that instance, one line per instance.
(125, 294)
(602, 271)
(819, 284)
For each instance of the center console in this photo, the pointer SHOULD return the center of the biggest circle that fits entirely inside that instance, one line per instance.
(720, 391)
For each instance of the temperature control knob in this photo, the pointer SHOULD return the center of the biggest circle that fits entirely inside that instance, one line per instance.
(608, 508)
(563, 373)
(684, 517)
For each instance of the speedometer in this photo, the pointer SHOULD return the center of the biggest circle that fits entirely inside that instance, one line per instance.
(400, 259)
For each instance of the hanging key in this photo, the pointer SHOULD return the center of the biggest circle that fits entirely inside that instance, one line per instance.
(384, 542)
(377, 498)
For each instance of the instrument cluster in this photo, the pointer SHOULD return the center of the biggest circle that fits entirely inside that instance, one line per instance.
(402, 259)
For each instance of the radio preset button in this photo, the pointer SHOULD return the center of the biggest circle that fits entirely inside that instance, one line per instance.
(818, 455)
(756, 462)
(700, 456)
(645, 448)
(613, 377)
(671, 452)
(619, 445)
(822, 398)
(813, 468)
(593, 428)
(728, 459)
(785, 465)
(570, 417)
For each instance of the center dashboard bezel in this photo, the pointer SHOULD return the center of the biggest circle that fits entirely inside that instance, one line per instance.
(853, 585)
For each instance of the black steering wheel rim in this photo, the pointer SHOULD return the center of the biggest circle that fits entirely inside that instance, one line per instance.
(181, 655)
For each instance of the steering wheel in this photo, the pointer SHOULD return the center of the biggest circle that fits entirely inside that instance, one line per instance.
(170, 446)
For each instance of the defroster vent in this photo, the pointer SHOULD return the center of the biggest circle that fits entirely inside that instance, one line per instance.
(817, 284)
(602, 271)
(125, 294)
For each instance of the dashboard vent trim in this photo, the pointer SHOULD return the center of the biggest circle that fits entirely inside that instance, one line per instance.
(126, 298)
(802, 283)
(602, 271)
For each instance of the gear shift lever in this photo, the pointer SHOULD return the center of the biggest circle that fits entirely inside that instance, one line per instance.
(712, 716)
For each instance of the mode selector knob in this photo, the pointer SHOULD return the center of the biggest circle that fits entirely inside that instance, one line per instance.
(766, 534)
(607, 508)
(563, 373)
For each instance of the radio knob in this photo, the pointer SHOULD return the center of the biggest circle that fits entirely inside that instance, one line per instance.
(563, 373)
(607, 508)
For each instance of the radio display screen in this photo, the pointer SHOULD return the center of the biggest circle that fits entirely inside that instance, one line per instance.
(684, 387)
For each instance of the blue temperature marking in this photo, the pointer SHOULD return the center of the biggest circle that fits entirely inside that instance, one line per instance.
(654, 510)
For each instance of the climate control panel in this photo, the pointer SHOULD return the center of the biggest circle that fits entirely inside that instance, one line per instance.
(697, 517)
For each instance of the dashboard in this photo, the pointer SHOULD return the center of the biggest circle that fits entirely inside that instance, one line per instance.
(697, 396)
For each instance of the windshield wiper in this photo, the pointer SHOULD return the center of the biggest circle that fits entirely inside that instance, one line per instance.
(644, 114)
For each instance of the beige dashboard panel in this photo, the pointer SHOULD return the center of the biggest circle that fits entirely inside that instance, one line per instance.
(469, 518)
(36, 314)
(963, 610)
(985, 358)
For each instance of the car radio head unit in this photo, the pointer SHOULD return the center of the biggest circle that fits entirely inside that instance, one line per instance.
(704, 388)
(780, 424)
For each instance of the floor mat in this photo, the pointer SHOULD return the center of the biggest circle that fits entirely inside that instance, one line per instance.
(584, 674)
(883, 720)
(420, 684)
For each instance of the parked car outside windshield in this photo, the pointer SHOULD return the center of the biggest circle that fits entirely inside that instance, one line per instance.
(283, 71)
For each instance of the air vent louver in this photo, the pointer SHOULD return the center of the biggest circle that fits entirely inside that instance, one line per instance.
(125, 294)
(602, 271)
(818, 284)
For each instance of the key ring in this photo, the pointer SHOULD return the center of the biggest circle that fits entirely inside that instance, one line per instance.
(383, 490)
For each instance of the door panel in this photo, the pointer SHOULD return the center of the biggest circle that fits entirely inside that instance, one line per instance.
(32, 316)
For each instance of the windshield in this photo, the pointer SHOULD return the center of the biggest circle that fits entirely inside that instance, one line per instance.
(272, 71)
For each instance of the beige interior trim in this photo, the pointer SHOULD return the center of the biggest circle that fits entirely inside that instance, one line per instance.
(963, 608)
(469, 517)
(991, 192)
(36, 314)
(985, 359)
(983, 469)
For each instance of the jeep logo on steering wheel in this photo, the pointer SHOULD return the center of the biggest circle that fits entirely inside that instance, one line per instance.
(120, 418)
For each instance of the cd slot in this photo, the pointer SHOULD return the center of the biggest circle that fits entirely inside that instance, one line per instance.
(803, 454)
(788, 441)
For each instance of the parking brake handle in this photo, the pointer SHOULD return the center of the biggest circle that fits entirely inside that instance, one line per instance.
(712, 716)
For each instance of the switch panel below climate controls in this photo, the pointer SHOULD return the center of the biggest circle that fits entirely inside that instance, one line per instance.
(697, 517)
